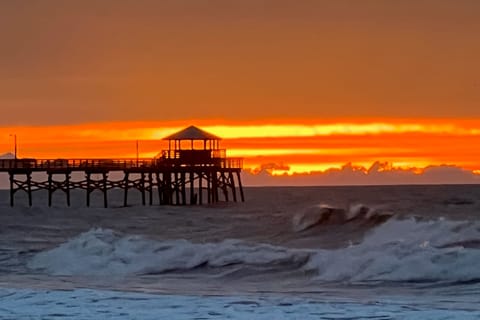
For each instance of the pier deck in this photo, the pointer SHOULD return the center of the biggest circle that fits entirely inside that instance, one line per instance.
(207, 179)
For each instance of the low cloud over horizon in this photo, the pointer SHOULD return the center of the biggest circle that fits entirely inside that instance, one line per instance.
(379, 173)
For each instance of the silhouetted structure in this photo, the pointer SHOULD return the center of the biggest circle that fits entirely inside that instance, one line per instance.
(193, 161)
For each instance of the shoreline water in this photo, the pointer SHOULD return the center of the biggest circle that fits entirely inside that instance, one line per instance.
(410, 250)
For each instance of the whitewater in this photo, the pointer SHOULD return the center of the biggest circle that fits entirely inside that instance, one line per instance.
(376, 252)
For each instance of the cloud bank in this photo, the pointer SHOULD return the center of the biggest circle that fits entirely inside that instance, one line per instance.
(379, 173)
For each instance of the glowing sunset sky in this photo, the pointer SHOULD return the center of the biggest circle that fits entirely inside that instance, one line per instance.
(304, 84)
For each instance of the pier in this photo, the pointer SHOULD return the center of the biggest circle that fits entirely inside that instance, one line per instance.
(192, 171)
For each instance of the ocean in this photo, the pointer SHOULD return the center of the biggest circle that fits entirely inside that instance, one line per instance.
(363, 252)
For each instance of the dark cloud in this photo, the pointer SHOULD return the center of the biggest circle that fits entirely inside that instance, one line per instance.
(270, 167)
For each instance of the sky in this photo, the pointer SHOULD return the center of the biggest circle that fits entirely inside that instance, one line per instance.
(292, 86)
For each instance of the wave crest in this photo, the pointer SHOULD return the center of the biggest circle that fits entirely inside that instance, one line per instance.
(100, 251)
(322, 214)
(395, 251)
(406, 250)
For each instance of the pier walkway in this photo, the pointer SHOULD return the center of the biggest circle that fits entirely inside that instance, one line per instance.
(193, 164)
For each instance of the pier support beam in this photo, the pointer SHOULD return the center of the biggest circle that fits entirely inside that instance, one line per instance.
(143, 183)
(200, 189)
(183, 188)
(54, 185)
(193, 198)
(92, 185)
(150, 187)
(126, 185)
(240, 187)
(209, 187)
(232, 185)
(214, 187)
(17, 185)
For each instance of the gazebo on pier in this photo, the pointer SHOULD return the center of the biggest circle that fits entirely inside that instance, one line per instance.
(193, 146)
(194, 158)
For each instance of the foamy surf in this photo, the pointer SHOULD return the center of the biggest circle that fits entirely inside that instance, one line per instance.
(100, 251)
(81, 304)
(398, 250)
(406, 250)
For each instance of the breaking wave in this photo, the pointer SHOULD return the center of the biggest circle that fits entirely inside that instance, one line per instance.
(406, 250)
(397, 250)
(100, 251)
(321, 214)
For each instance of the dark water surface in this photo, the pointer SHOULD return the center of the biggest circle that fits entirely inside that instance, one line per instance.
(336, 251)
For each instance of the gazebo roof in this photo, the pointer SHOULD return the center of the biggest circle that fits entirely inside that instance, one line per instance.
(192, 133)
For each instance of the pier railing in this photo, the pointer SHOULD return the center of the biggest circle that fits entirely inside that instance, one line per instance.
(199, 157)
(116, 164)
(45, 164)
(200, 154)
(232, 163)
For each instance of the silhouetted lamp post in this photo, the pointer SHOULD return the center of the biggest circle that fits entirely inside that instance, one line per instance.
(15, 144)
(137, 153)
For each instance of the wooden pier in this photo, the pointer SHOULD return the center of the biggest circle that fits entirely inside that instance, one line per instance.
(193, 162)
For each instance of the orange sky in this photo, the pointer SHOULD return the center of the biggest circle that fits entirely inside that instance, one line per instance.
(66, 62)
(303, 146)
(307, 84)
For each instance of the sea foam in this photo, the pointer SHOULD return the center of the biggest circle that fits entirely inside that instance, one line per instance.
(406, 250)
(81, 304)
(100, 251)
(397, 250)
